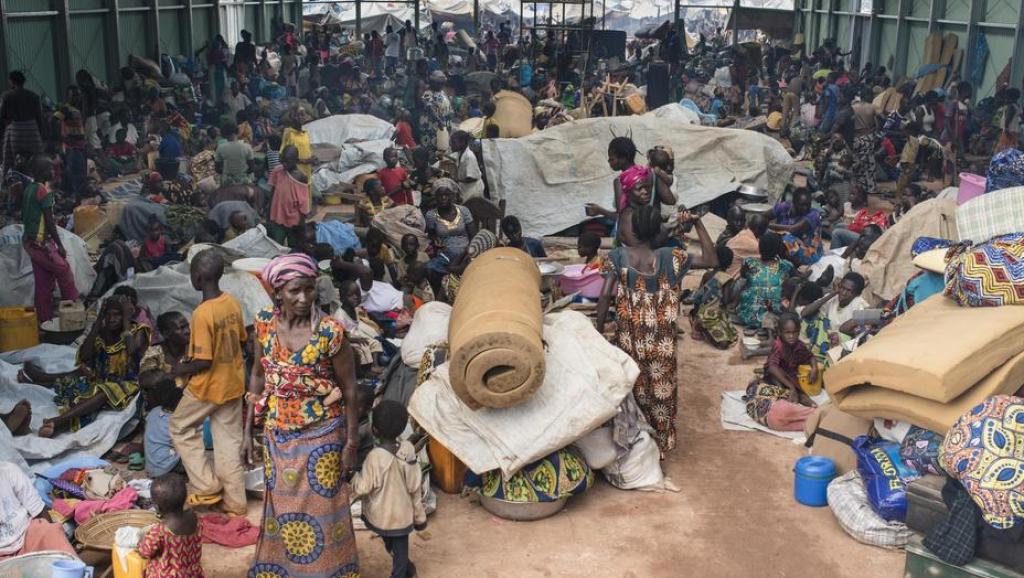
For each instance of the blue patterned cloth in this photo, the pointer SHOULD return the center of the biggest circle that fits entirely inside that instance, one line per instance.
(1006, 170)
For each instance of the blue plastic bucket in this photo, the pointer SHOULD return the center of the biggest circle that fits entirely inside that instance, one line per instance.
(813, 473)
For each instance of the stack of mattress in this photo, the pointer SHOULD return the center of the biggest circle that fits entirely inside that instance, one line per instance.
(932, 364)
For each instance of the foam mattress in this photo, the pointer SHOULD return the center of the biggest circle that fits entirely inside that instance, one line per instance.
(870, 402)
(936, 351)
(494, 333)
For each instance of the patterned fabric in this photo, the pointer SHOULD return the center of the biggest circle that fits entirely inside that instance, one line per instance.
(954, 539)
(988, 275)
(437, 115)
(864, 162)
(991, 215)
(630, 178)
(814, 333)
(760, 396)
(925, 244)
(284, 268)
(764, 284)
(115, 375)
(709, 316)
(560, 475)
(984, 450)
(172, 556)
(805, 248)
(297, 381)
(307, 526)
(920, 451)
(1005, 170)
(646, 308)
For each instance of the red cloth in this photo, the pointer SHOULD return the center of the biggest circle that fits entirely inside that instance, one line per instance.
(152, 249)
(83, 510)
(863, 218)
(230, 531)
(403, 135)
(124, 149)
(391, 180)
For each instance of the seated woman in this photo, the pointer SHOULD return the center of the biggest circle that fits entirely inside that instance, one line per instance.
(162, 394)
(709, 317)
(107, 373)
(800, 226)
(777, 401)
(764, 278)
(449, 227)
(482, 241)
(27, 528)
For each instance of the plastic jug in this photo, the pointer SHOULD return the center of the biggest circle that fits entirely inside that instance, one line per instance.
(71, 315)
(70, 569)
(19, 328)
(813, 474)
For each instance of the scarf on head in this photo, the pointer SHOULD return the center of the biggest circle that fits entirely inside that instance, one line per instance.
(630, 178)
(284, 268)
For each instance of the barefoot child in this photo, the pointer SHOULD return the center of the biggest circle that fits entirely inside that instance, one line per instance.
(389, 485)
(174, 547)
(778, 401)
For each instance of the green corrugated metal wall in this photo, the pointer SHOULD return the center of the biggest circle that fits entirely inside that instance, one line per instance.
(996, 19)
(35, 44)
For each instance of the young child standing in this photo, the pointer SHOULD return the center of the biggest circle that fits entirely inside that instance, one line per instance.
(173, 547)
(216, 381)
(395, 179)
(389, 485)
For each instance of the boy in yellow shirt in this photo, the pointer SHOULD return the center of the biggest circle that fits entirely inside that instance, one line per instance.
(215, 384)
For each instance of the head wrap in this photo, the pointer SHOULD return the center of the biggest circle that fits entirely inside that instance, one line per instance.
(282, 269)
(446, 183)
(633, 176)
(1006, 170)
(482, 241)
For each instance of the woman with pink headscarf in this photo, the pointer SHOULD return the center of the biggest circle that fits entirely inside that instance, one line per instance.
(635, 186)
(302, 358)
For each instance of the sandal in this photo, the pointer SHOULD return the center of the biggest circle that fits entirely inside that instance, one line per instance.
(203, 500)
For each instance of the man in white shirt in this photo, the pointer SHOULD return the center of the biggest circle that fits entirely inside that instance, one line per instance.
(839, 306)
(392, 49)
(23, 528)
(468, 175)
(236, 101)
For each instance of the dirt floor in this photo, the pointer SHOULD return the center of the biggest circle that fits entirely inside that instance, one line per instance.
(735, 515)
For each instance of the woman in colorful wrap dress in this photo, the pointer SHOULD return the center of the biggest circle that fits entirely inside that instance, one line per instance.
(800, 227)
(644, 281)
(301, 359)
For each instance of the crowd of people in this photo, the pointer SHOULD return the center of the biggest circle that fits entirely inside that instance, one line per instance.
(220, 143)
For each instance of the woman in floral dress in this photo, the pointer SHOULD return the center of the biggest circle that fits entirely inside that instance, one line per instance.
(764, 279)
(644, 281)
(302, 358)
(437, 112)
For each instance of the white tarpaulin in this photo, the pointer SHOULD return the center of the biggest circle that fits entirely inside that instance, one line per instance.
(31, 452)
(354, 160)
(343, 128)
(547, 177)
(16, 267)
(585, 381)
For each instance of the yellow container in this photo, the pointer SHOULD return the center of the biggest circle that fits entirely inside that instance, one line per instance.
(19, 328)
(448, 471)
(803, 374)
(88, 218)
(131, 566)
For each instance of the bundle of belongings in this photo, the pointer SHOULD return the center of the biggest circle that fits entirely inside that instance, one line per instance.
(508, 390)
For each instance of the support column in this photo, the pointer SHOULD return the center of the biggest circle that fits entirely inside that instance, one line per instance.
(5, 66)
(830, 20)
(190, 38)
(216, 17)
(261, 23)
(62, 40)
(416, 18)
(113, 40)
(1017, 67)
(736, 19)
(937, 10)
(476, 15)
(899, 67)
(974, 16)
(154, 27)
(359, 21)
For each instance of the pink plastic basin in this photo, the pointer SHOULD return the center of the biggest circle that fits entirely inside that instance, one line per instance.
(589, 283)
(971, 185)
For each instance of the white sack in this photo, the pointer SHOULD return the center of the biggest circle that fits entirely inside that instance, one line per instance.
(598, 448)
(547, 177)
(256, 243)
(16, 267)
(640, 469)
(355, 159)
(31, 452)
(342, 128)
(429, 327)
(586, 379)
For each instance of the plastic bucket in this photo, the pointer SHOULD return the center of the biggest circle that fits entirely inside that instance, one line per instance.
(813, 474)
(19, 328)
(971, 185)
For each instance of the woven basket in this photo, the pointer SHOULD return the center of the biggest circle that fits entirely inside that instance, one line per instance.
(99, 531)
